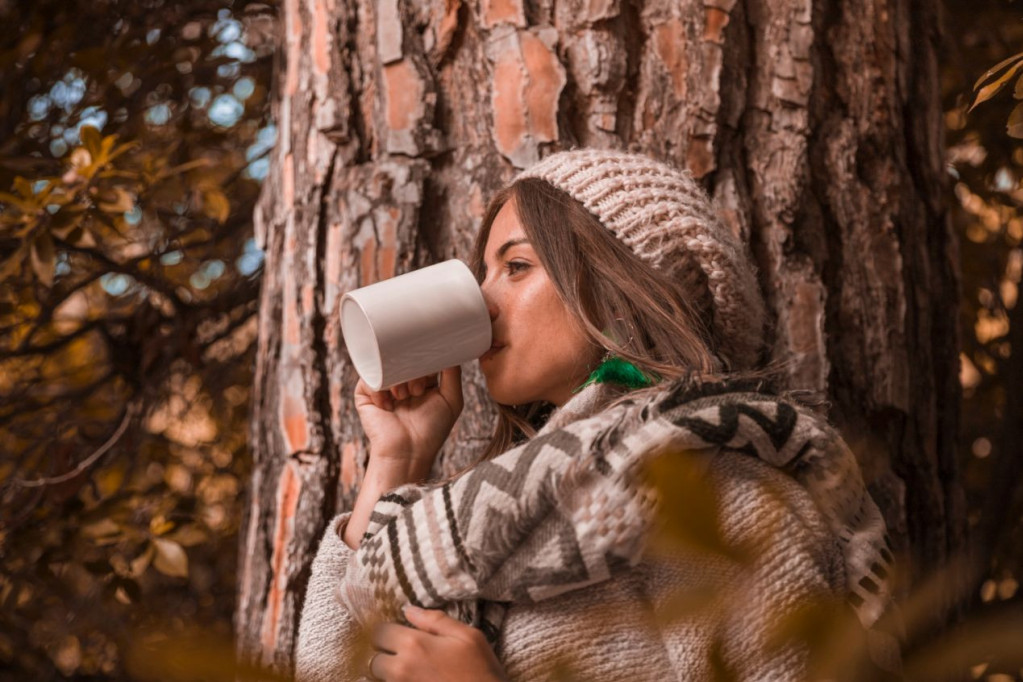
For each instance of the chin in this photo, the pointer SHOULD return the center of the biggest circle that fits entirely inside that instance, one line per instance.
(505, 394)
(502, 397)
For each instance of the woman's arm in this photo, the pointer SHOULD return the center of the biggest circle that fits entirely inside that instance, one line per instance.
(329, 639)
(406, 427)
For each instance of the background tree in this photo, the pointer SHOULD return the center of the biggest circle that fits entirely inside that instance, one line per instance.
(815, 124)
(132, 140)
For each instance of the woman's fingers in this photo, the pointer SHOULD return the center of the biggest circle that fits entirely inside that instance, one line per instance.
(364, 394)
(414, 388)
(400, 392)
(377, 664)
(451, 387)
(434, 621)
(387, 637)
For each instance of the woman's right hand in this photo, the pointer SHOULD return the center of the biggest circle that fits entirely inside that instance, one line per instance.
(407, 424)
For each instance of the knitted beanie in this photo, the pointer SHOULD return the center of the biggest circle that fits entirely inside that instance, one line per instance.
(666, 219)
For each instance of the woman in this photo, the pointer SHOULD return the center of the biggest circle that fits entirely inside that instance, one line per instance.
(622, 313)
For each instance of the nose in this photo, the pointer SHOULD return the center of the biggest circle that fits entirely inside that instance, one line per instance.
(488, 298)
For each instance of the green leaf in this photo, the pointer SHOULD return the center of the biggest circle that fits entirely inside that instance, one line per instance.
(43, 258)
(1015, 125)
(991, 89)
(996, 68)
(170, 558)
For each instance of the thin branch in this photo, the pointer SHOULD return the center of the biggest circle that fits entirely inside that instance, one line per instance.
(46, 314)
(129, 413)
(25, 407)
(152, 282)
(231, 327)
(58, 343)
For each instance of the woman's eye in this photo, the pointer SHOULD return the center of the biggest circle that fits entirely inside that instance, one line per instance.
(515, 266)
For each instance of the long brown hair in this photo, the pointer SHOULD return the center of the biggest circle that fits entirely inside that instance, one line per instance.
(624, 304)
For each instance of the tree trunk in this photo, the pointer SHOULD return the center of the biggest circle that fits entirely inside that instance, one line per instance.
(815, 124)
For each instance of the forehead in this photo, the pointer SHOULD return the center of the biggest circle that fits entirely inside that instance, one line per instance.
(506, 227)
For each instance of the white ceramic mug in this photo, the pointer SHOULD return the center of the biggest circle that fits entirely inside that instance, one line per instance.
(415, 324)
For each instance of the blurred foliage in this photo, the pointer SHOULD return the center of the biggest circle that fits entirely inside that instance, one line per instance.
(133, 136)
(983, 104)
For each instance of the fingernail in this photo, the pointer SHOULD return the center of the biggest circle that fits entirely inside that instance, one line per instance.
(409, 608)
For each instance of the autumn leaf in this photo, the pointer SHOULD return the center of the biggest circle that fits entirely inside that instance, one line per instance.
(81, 165)
(24, 205)
(688, 508)
(102, 528)
(117, 200)
(188, 536)
(215, 204)
(140, 563)
(1015, 125)
(12, 265)
(992, 89)
(996, 68)
(159, 525)
(170, 558)
(43, 258)
(92, 141)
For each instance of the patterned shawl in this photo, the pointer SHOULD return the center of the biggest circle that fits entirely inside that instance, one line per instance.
(569, 508)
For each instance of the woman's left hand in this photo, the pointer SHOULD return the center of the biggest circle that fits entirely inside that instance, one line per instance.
(438, 648)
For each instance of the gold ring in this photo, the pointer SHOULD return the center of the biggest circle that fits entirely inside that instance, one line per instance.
(369, 667)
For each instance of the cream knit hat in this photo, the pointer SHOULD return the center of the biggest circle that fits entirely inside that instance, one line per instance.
(665, 217)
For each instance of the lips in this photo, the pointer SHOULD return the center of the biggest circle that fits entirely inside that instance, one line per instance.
(494, 349)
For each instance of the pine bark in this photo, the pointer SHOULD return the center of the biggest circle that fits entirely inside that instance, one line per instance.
(814, 124)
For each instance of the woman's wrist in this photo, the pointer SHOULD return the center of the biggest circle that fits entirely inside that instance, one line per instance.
(382, 475)
(395, 471)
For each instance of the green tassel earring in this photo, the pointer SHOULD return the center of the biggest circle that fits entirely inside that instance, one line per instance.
(615, 370)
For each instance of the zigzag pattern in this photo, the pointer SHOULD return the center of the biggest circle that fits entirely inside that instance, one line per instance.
(508, 530)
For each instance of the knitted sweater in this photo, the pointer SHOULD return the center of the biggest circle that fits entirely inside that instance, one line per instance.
(688, 613)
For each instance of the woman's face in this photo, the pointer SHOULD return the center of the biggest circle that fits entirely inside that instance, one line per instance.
(540, 351)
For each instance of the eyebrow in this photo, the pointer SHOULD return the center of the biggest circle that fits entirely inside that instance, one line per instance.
(510, 243)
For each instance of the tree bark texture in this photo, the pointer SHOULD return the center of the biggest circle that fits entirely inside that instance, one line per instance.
(815, 125)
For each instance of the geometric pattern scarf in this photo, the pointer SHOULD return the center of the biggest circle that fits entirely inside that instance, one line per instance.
(569, 508)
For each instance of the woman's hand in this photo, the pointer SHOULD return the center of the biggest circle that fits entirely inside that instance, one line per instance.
(438, 649)
(407, 424)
